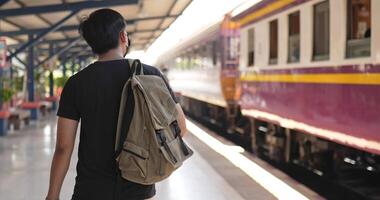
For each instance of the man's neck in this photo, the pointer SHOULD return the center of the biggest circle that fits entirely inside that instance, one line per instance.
(113, 54)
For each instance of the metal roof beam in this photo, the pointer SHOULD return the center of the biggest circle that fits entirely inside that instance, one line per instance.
(37, 30)
(16, 25)
(170, 10)
(73, 51)
(21, 61)
(44, 50)
(23, 5)
(76, 53)
(74, 27)
(76, 49)
(18, 59)
(63, 7)
(82, 55)
(43, 34)
(67, 47)
(47, 41)
(79, 46)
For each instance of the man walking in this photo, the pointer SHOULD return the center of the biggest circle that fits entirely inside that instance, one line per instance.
(92, 96)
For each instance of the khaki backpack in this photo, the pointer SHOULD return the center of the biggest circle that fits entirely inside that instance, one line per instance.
(153, 147)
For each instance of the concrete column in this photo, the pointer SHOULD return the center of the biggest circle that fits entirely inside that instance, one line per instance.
(3, 117)
(1, 88)
(51, 84)
(81, 63)
(51, 79)
(73, 67)
(30, 80)
(11, 78)
(51, 90)
(64, 69)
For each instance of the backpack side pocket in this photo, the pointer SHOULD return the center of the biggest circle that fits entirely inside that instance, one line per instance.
(133, 160)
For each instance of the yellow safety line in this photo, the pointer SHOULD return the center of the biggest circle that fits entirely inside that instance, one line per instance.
(352, 78)
(264, 11)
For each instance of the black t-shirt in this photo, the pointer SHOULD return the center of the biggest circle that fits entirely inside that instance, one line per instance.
(93, 96)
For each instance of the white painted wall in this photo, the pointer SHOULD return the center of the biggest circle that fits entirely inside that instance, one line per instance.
(306, 34)
(243, 49)
(338, 30)
(262, 44)
(283, 30)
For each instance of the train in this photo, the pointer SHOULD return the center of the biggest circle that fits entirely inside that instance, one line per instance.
(297, 80)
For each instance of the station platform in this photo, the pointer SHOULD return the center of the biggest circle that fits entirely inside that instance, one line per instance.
(217, 171)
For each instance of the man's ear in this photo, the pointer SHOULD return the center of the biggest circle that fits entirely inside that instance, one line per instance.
(123, 37)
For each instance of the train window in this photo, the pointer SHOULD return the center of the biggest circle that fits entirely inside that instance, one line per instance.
(294, 38)
(273, 42)
(251, 47)
(358, 28)
(321, 47)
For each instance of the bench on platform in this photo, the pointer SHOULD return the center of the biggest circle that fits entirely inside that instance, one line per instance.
(18, 118)
(45, 107)
(4, 116)
(33, 107)
(53, 100)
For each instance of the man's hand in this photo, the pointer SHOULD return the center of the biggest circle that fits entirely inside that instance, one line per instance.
(181, 120)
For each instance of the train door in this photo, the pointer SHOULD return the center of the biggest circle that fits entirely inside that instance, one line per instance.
(230, 41)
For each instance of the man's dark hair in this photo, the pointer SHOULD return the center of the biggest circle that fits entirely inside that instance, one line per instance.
(101, 30)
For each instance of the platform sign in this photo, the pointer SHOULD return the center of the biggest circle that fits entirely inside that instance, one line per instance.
(3, 52)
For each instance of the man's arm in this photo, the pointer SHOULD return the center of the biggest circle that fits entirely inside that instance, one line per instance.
(66, 132)
(181, 120)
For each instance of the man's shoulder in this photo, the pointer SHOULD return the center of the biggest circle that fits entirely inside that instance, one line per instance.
(79, 75)
(150, 70)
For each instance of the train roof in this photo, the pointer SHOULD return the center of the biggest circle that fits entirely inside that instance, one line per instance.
(204, 34)
(261, 9)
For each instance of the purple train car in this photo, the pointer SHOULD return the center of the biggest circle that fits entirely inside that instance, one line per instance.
(298, 81)
(310, 81)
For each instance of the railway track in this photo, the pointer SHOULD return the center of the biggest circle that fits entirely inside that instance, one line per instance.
(349, 184)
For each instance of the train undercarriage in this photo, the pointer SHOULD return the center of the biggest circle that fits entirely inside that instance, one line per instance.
(353, 170)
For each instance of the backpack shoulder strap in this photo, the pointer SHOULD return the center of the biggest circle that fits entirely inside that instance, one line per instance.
(122, 107)
(136, 69)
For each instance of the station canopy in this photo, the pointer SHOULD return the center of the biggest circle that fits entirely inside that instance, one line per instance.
(54, 23)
